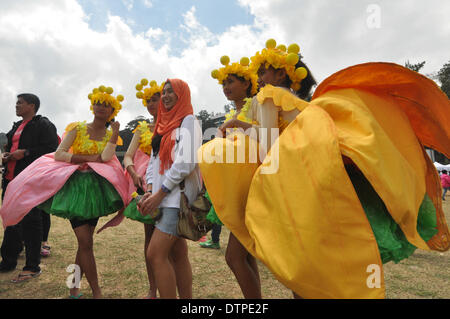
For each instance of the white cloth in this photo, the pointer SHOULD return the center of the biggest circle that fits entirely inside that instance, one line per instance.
(188, 140)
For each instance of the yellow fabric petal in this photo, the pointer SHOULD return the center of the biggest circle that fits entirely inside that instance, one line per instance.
(71, 126)
(306, 222)
(119, 141)
(227, 181)
(423, 102)
(281, 97)
(377, 136)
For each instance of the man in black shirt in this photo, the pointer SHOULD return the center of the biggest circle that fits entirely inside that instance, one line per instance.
(28, 139)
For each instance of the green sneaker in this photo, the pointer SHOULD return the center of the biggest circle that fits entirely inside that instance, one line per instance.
(210, 244)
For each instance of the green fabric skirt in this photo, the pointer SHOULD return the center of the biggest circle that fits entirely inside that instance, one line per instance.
(85, 195)
(132, 212)
(212, 216)
(391, 241)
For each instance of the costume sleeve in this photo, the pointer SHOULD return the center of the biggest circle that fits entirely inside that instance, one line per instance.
(62, 153)
(185, 161)
(132, 148)
(108, 152)
(267, 117)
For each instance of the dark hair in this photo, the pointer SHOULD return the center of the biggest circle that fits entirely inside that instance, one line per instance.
(31, 99)
(107, 124)
(242, 79)
(156, 143)
(306, 84)
(444, 171)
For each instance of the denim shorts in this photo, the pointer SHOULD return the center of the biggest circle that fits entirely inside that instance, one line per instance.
(168, 222)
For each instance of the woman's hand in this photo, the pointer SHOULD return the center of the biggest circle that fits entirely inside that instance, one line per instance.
(81, 159)
(233, 123)
(115, 126)
(228, 124)
(150, 202)
(137, 180)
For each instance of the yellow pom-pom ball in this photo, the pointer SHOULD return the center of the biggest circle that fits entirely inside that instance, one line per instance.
(90, 96)
(296, 86)
(292, 59)
(301, 73)
(139, 95)
(144, 81)
(139, 86)
(281, 47)
(225, 60)
(109, 90)
(120, 98)
(245, 61)
(215, 74)
(294, 48)
(95, 90)
(271, 43)
(153, 83)
(102, 88)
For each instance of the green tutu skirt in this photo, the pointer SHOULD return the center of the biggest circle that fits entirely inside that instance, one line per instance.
(212, 216)
(85, 195)
(132, 212)
(391, 241)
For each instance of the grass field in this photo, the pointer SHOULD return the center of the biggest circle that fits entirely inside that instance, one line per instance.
(120, 262)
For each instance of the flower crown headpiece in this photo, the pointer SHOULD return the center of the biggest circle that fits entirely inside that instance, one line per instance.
(101, 95)
(146, 93)
(280, 57)
(240, 69)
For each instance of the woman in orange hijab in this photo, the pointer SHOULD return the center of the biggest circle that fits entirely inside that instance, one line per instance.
(177, 136)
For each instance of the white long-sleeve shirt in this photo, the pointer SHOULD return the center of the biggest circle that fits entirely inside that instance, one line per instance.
(188, 140)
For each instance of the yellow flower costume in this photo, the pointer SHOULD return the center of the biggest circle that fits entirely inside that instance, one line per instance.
(139, 150)
(243, 115)
(145, 137)
(91, 189)
(83, 144)
(307, 222)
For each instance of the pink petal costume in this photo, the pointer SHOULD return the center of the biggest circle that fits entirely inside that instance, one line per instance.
(45, 177)
(138, 154)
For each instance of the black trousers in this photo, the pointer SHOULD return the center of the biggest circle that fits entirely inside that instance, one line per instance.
(46, 223)
(215, 233)
(28, 233)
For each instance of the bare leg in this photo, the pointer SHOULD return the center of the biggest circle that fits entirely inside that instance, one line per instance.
(148, 230)
(182, 267)
(85, 258)
(244, 267)
(160, 247)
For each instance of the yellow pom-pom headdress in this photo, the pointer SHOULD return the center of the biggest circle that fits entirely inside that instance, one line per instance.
(280, 57)
(103, 94)
(145, 93)
(240, 69)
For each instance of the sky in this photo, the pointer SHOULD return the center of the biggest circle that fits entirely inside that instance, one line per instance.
(61, 49)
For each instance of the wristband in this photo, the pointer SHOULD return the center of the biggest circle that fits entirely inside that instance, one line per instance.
(165, 189)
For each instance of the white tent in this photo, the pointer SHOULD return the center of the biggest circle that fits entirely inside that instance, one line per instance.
(441, 167)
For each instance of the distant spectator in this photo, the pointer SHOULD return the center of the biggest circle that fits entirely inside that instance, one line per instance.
(445, 181)
(28, 140)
